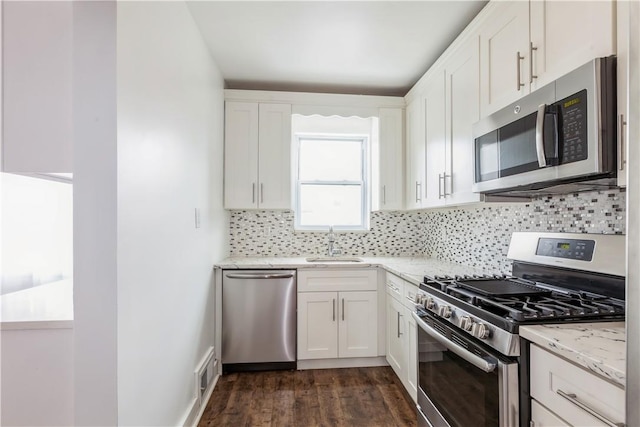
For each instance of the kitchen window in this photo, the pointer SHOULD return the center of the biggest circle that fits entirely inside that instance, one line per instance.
(331, 182)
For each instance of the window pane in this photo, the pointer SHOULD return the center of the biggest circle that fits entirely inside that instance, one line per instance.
(330, 160)
(330, 205)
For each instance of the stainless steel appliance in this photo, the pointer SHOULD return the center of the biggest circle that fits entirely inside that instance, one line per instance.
(258, 320)
(472, 365)
(560, 138)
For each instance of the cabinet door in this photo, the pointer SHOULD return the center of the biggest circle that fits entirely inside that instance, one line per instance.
(317, 325)
(415, 153)
(412, 359)
(241, 155)
(504, 56)
(627, 42)
(395, 337)
(435, 166)
(391, 157)
(274, 167)
(36, 82)
(562, 44)
(463, 110)
(357, 332)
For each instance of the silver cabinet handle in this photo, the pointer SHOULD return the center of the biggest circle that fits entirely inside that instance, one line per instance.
(253, 192)
(259, 275)
(334, 309)
(542, 160)
(418, 192)
(531, 75)
(261, 193)
(343, 309)
(399, 325)
(518, 59)
(440, 178)
(384, 194)
(444, 187)
(571, 397)
(475, 360)
(622, 158)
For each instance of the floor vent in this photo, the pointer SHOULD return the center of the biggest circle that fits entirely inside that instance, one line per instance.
(205, 375)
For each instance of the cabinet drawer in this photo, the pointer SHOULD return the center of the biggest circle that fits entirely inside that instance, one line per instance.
(351, 279)
(542, 417)
(395, 286)
(572, 392)
(409, 295)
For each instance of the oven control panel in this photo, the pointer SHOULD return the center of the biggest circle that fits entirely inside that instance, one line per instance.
(505, 342)
(581, 250)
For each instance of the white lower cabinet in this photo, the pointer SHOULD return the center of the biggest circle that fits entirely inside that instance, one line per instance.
(337, 324)
(317, 328)
(402, 336)
(412, 359)
(396, 349)
(564, 394)
(542, 417)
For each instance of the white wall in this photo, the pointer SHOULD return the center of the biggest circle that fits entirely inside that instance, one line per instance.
(170, 151)
(37, 377)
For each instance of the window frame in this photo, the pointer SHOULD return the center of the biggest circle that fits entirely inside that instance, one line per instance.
(365, 181)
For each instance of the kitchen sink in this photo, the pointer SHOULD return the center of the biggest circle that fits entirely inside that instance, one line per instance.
(333, 259)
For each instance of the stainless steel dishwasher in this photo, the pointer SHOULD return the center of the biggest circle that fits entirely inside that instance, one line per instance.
(258, 320)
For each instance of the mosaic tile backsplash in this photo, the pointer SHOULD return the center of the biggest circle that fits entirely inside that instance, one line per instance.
(477, 236)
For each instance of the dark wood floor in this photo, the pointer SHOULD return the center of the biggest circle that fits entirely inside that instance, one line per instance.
(325, 397)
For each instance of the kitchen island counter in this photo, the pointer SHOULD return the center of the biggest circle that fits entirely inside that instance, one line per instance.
(597, 347)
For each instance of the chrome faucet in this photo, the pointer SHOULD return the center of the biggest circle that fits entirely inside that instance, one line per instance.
(331, 251)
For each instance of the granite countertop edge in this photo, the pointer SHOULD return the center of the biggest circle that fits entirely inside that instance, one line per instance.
(597, 347)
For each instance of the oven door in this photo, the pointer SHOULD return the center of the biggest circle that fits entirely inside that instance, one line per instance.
(461, 383)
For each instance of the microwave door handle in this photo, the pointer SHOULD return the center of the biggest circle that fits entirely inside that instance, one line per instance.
(542, 159)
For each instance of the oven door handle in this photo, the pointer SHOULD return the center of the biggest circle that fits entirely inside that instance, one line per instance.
(476, 361)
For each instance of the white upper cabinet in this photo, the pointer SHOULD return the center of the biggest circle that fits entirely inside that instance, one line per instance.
(257, 156)
(36, 81)
(568, 34)
(436, 167)
(451, 106)
(504, 55)
(628, 80)
(415, 165)
(391, 159)
(274, 160)
(525, 45)
(463, 110)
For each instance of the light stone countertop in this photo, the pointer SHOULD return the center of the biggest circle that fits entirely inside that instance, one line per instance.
(412, 269)
(597, 347)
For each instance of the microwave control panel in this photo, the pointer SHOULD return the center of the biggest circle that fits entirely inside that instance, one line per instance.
(566, 248)
(573, 117)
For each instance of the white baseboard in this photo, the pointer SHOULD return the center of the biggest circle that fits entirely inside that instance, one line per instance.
(358, 362)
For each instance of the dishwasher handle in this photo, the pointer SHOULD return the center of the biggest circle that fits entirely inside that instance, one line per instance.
(259, 275)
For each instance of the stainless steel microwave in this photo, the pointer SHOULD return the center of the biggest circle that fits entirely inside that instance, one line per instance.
(560, 138)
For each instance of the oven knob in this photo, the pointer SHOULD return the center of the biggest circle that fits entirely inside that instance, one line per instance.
(418, 299)
(466, 323)
(480, 330)
(444, 311)
(429, 303)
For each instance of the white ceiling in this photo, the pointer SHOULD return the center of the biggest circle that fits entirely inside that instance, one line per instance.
(361, 47)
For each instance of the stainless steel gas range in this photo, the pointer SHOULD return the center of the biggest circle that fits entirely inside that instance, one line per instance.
(472, 365)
